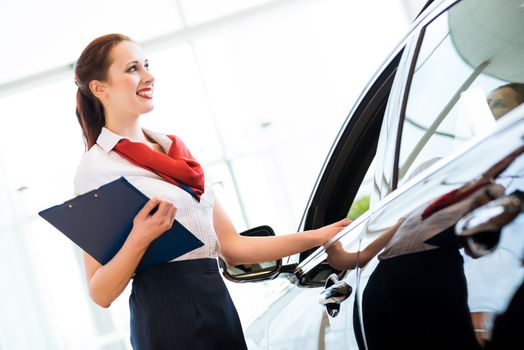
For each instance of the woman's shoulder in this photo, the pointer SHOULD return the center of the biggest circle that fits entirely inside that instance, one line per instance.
(90, 171)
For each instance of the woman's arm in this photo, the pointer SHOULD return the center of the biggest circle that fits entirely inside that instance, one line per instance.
(339, 259)
(236, 249)
(107, 282)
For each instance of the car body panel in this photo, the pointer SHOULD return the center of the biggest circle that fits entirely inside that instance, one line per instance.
(373, 134)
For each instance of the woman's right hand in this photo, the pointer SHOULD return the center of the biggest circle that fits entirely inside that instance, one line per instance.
(326, 233)
(147, 226)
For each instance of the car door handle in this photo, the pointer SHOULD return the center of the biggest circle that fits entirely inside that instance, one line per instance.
(480, 229)
(334, 293)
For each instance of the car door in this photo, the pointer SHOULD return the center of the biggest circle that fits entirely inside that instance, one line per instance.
(291, 317)
(410, 169)
(362, 175)
(446, 133)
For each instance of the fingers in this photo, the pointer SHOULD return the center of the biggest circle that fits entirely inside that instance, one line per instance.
(165, 210)
(172, 214)
(146, 209)
(334, 247)
(165, 214)
(341, 223)
(338, 226)
(345, 222)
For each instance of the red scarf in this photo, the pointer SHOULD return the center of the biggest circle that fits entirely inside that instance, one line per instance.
(177, 166)
(453, 197)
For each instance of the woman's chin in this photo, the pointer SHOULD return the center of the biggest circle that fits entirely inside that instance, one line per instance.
(148, 109)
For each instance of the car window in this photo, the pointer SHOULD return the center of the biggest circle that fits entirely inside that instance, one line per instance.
(468, 74)
(362, 200)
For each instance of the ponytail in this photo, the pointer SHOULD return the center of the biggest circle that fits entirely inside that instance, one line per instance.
(93, 64)
(91, 117)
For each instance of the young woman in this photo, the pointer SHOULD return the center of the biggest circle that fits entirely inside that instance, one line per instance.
(182, 304)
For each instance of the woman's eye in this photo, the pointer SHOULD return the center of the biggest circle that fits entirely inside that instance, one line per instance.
(132, 69)
(146, 66)
(500, 104)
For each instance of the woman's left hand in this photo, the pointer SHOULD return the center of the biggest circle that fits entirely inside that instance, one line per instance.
(325, 233)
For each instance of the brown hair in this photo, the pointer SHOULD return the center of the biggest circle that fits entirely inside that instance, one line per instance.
(518, 88)
(93, 64)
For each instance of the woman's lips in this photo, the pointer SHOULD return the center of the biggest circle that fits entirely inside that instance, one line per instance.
(145, 93)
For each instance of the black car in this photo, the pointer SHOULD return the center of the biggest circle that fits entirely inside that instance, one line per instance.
(435, 141)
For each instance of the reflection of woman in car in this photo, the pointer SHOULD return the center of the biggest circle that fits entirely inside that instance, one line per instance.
(493, 278)
(420, 275)
(504, 98)
(340, 259)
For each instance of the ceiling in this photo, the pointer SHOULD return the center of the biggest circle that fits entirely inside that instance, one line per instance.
(42, 39)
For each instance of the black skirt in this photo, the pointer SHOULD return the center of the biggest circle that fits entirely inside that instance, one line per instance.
(418, 301)
(183, 305)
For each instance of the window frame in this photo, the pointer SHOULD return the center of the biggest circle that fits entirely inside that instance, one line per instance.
(407, 86)
(334, 193)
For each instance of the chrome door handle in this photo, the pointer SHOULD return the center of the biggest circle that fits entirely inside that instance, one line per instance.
(334, 293)
(480, 228)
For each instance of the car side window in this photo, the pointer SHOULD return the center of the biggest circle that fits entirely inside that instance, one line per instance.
(362, 201)
(468, 74)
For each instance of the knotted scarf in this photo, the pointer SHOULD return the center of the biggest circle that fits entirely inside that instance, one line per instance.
(177, 166)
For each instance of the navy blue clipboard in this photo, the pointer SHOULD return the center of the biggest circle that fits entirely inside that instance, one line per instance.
(100, 221)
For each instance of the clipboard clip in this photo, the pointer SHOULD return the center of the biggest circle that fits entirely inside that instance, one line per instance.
(70, 205)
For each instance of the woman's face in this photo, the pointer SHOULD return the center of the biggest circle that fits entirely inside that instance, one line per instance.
(129, 86)
(502, 100)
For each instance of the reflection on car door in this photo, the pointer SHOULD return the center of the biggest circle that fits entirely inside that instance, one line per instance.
(460, 60)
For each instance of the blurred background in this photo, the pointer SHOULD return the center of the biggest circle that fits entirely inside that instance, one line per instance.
(257, 89)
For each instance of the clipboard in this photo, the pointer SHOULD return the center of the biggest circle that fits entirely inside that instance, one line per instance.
(99, 222)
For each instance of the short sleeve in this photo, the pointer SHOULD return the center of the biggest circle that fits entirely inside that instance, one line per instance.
(79, 182)
(90, 174)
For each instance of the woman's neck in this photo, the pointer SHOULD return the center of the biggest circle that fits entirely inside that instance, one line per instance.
(130, 129)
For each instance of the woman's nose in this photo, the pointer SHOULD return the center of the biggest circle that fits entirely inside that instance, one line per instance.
(148, 77)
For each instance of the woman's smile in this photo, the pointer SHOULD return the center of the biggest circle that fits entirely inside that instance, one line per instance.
(146, 93)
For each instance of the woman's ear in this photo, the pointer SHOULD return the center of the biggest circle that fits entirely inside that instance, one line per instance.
(98, 88)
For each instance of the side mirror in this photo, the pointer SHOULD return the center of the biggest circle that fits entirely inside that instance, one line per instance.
(252, 272)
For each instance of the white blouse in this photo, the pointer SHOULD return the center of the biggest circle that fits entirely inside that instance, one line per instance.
(101, 165)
